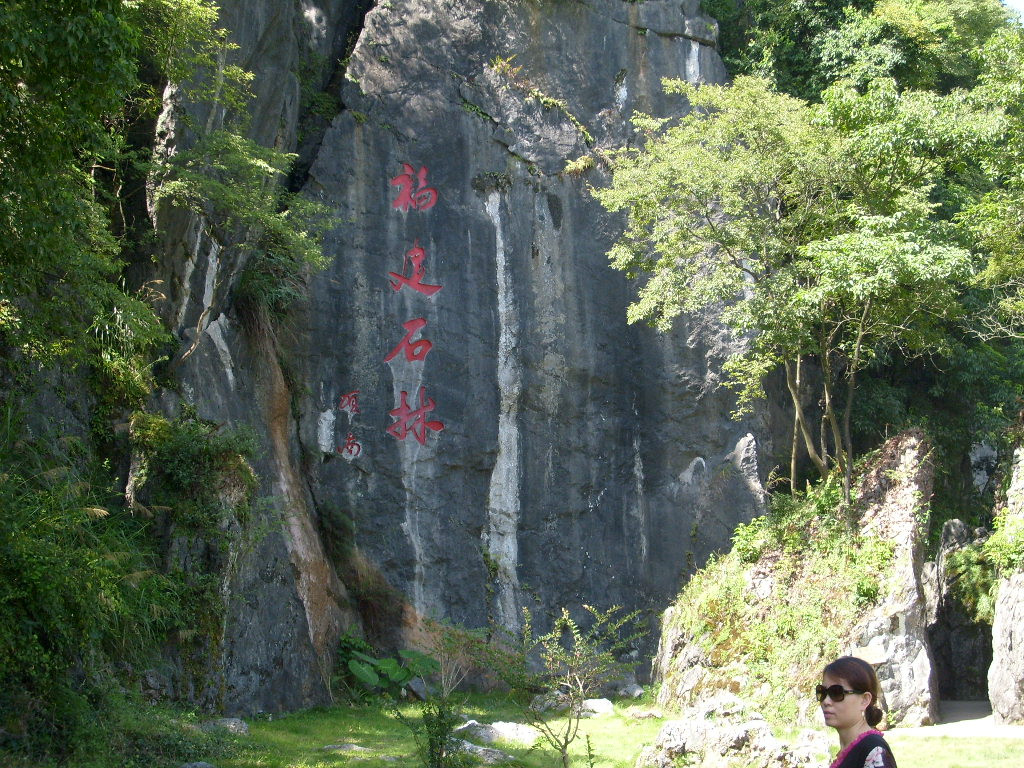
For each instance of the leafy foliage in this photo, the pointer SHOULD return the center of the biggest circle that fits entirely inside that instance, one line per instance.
(812, 227)
(573, 662)
(760, 610)
(80, 588)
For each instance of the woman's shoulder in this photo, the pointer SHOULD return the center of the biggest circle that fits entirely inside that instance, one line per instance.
(880, 755)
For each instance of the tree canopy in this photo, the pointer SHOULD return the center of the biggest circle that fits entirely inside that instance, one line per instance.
(860, 226)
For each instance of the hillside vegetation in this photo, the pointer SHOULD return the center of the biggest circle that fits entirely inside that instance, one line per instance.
(853, 201)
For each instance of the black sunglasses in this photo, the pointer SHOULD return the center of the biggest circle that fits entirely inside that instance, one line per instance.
(834, 692)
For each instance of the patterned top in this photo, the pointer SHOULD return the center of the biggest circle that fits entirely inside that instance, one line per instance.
(879, 757)
(868, 750)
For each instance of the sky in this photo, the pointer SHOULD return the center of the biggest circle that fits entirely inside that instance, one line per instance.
(1015, 5)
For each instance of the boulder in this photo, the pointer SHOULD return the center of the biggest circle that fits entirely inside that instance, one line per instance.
(721, 733)
(499, 731)
(598, 706)
(485, 755)
(1006, 675)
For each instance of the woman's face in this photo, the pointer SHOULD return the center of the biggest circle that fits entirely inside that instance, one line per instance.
(846, 713)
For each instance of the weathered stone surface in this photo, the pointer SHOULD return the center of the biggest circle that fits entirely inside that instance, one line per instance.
(893, 635)
(579, 456)
(961, 646)
(581, 459)
(490, 733)
(598, 706)
(722, 732)
(486, 755)
(1006, 675)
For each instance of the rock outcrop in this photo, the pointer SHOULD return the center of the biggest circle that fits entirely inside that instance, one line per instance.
(459, 422)
(891, 634)
(723, 732)
(961, 644)
(1006, 675)
(894, 635)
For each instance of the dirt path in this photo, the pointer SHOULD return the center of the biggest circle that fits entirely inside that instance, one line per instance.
(967, 719)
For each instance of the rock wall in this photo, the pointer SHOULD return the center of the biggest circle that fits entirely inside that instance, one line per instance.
(961, 645)
(893, 636)
(459, 420)
(1006, 675)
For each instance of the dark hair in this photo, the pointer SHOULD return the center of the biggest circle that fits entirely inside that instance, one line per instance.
(861, 677)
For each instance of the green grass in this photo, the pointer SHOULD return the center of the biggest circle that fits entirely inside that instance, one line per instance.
(919, 750)
(297, 741)
(159, 737)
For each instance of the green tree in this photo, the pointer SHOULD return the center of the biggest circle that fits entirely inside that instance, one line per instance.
(997, 218)
(813, 228)
(923, 44)
(778, 39)
(569, 663)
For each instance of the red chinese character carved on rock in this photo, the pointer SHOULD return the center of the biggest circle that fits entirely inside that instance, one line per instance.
(413, 190)
(408, 420)
(349, 403)
(414, 256)
(352, 447)
(415, 351)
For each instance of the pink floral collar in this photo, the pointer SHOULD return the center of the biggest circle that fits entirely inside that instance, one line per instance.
(846, 750)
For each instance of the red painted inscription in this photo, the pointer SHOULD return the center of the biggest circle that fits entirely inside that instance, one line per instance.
(415, 351)
(352, 447)
(349, 403)
(413, 190)
(414, 421)
(415, 256)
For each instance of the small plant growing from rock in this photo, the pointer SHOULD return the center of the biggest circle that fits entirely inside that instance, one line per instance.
(568, 662)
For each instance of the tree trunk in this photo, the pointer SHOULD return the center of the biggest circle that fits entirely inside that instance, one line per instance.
(796, 433)
(850, 387)
(830, 411)
(801, 421)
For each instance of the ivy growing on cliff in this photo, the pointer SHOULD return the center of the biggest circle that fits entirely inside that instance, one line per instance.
(86, 575)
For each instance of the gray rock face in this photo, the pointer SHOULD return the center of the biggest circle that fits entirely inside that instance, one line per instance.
(1006, 675)
(961, 646)
(514, 436)
(463, 424)
(893, 635)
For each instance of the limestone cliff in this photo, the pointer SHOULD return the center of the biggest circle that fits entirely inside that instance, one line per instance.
(459, 422)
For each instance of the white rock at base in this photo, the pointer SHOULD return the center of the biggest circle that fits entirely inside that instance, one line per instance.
(598, 706)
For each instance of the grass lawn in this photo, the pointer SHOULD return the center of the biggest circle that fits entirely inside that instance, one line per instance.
(164, 738)
(298, 741)
(918, 750)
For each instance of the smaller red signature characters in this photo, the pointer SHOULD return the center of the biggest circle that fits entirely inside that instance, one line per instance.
(415, 351)
(352, 447)
(349, 403)
(415, 256)
(409, 420)
(414, 192)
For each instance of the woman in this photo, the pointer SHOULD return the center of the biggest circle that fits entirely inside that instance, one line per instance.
(849, 701)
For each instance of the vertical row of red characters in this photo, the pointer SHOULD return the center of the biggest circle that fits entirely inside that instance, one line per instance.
(409, 418)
